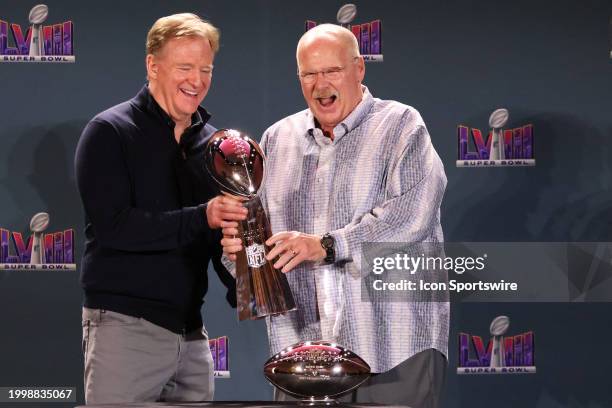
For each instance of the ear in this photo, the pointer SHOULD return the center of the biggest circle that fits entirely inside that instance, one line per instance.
(360, 69)
(152, 66)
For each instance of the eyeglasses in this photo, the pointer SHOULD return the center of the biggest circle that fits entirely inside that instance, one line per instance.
(331, 74)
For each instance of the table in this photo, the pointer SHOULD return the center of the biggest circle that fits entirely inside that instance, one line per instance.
(230, 404)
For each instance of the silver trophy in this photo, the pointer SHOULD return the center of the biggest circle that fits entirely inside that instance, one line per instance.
(497, 121)
(317, 372)
(38, 224)
(499, 326)
(37, 16)
(236, 164)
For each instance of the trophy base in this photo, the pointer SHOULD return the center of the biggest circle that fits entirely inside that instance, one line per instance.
(312, 402)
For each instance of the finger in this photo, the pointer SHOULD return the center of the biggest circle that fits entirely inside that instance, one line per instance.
(279, 236)
(232, 249)
(231, 202)
(232, 209)
(295, 261)
(284, 259)
(234, 197)
(232, 257)
(232, 217)
(230, 241)
(229, 224)
(229, 232)
(277, 250)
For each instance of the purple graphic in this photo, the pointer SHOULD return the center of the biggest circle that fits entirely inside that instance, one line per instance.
(528, 142)
(376, 37)
(365, 39)
(222, 350)
(23, 252)
(368, 35)
(518, 143)
(67, 38)
(519, 351)
(310, 24)
(212, 344)
(23, 45)
(4, 245)
(57, 39)
(59, 247)
(48, 40)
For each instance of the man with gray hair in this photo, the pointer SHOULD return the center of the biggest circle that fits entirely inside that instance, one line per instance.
(353, 169)
(150, 232)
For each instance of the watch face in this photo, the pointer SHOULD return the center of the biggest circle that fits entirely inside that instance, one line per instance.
(327, 242)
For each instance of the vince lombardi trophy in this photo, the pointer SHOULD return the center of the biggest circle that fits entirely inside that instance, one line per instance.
(498, 328)
(37, 16)
(38, 225)
(497, 121)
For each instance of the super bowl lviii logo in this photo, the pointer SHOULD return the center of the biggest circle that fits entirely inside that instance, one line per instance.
(41, 43)
(369, 35)
(51, 251)
(219, 348)
(502, 148)
(503, 355)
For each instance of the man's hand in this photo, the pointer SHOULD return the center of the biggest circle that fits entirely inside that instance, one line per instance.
(294, 248)
(224, 211)
(231, 245)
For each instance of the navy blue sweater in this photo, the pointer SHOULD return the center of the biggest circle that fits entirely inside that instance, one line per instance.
(148, 243)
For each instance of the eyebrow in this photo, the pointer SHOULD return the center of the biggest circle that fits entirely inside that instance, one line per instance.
(324, 69)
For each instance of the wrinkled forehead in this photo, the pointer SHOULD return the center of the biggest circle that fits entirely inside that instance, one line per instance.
(322, 50)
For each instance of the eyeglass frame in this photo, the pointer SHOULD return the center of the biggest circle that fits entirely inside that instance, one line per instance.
(325, 72)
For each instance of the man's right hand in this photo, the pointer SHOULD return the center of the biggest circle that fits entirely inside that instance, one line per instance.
(230, 243)
(223, 212)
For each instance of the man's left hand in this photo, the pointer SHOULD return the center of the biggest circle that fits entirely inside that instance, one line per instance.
(294, 248)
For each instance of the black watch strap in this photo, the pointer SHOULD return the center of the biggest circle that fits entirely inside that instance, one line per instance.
(329, 243)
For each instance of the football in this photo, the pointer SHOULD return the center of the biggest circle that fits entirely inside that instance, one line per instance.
(499, 325)
(39, 222)
(346, 13)
(316, 370)
(499, 118)
(235, 162)
(38, 14)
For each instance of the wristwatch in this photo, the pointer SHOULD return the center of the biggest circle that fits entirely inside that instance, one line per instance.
(328, 242)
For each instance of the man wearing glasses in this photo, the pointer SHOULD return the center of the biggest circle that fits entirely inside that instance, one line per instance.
(352, 169)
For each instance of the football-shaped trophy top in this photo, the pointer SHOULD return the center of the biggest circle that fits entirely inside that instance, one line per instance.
(39, 222)
(499, 118)
(316, 370)
(235, 162)
(499, 325)
(38, 14)
(346, 13)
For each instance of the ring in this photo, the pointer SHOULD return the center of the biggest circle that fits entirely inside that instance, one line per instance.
(293, 253)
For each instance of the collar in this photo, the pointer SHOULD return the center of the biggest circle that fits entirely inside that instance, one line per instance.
(145, 101)
(349, 123)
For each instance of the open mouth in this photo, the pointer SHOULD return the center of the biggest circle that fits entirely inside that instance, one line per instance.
(327, 102)
(187, 92)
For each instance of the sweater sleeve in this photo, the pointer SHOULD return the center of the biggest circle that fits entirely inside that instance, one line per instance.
(104, 185)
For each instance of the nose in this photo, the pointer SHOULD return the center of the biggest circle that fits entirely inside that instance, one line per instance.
(321, 80)
(195, 77)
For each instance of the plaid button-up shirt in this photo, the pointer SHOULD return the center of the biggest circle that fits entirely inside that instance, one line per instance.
(379, 180)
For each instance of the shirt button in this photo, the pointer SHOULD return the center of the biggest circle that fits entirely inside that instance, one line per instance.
(319, 180)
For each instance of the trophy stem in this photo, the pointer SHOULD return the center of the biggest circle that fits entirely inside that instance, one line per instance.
(262, 290)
